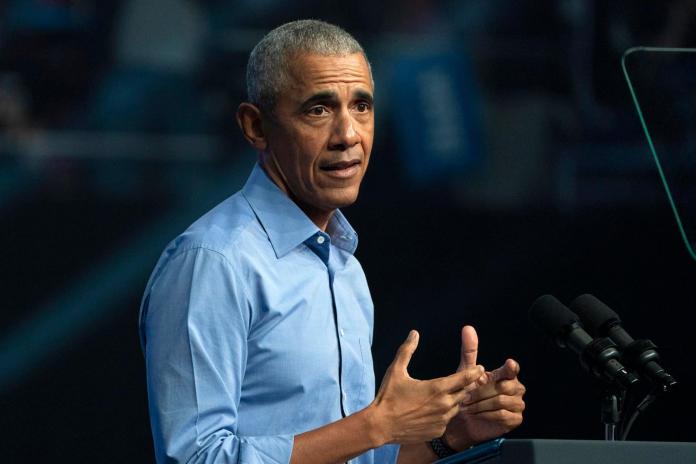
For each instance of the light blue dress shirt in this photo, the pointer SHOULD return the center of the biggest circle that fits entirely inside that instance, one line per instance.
(256, 326)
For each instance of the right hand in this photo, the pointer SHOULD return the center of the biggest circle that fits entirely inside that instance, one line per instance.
(407, 410)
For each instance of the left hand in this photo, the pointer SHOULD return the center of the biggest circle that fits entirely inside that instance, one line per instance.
(495, 406)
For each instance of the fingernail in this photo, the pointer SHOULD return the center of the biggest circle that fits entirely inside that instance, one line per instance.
(411, 335)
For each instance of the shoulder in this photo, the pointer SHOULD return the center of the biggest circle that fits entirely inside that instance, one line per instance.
(224, 231)
(221, 229)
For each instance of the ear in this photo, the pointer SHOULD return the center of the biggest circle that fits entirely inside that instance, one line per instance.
(249, 120)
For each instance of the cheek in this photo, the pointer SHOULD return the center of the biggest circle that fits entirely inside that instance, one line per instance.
(302, 150)
(367, 129)
(367, 147)
(367, 140)
(310, 148)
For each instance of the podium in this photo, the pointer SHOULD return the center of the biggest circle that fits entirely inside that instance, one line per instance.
(503, 451)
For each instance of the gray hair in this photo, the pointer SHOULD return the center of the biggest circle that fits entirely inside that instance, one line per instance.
(267, 72)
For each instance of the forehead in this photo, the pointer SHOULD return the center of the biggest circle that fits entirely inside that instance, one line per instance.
(312, 72)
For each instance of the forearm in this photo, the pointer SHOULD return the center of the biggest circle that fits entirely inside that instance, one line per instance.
(405, 410)
(339, 441)
(349, 437)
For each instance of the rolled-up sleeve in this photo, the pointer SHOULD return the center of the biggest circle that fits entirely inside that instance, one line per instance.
(196, 321)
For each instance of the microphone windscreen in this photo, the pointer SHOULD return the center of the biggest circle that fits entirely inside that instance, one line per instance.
(551, 315)
(594, 314)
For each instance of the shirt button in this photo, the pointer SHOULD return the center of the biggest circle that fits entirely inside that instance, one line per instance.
(342, 332)
(320, 239)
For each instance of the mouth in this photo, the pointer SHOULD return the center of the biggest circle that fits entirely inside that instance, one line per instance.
(341, 169)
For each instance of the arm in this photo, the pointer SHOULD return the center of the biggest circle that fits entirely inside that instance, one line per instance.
(196, 327)
(490, 407)
(405, 411)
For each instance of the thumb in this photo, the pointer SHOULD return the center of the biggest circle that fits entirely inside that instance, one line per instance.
(469, 350)
(405, 352)
(507, 371)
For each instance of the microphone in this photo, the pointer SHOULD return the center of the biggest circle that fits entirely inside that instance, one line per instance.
(639, 355)
(598, 356)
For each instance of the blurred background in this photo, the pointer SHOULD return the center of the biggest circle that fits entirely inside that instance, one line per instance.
(509, 162)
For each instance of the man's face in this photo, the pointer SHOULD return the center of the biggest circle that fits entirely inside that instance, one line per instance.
(321, 131)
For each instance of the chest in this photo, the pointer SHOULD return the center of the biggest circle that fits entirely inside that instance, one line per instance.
(312, 323)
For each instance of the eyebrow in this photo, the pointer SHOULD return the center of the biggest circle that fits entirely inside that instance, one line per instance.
(364, 95)
(327, 95)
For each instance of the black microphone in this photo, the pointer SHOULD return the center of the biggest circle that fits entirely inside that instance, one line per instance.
(598, 356)
(639, 355)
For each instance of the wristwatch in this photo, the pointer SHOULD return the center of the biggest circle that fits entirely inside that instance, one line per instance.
(440, 448)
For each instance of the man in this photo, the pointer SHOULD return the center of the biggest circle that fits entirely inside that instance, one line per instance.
(257, 321)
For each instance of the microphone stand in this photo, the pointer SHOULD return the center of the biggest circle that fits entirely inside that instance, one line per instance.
(597, 358)
(610, 414)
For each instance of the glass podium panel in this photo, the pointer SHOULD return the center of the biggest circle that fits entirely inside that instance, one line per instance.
(662, 83)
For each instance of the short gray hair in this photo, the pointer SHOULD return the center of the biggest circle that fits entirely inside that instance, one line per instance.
(267, 72)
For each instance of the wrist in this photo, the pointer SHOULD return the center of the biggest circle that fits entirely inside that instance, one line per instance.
(456, 442)
(375, 426)
(441, 449)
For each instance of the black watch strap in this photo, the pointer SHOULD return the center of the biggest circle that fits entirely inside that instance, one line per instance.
(440, 448)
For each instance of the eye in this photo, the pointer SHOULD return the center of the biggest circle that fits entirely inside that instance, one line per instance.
(362, 107)
(318, 111)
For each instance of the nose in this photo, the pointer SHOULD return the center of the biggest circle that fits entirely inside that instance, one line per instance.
(343, 135)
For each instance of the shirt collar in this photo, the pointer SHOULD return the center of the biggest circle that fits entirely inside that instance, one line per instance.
(286, 225)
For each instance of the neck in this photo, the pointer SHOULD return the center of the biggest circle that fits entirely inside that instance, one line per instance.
(319, 217)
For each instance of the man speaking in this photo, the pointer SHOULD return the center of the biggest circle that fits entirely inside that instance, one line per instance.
(257, 321)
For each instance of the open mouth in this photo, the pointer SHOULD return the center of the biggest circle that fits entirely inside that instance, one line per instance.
(339, 166)
(342, 170)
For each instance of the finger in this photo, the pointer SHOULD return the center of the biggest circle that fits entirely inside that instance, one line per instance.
(484, 379)
(507, 419)
(460, 380)
(462, 396)
(454, 410)
(504, 387)
(469, 349)
(405, 352)
(508, 403)
(507, 371)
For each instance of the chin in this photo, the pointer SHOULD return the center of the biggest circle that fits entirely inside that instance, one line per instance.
(341, 200)
(334, 205)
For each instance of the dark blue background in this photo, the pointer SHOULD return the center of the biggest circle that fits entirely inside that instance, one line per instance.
(118, 131)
